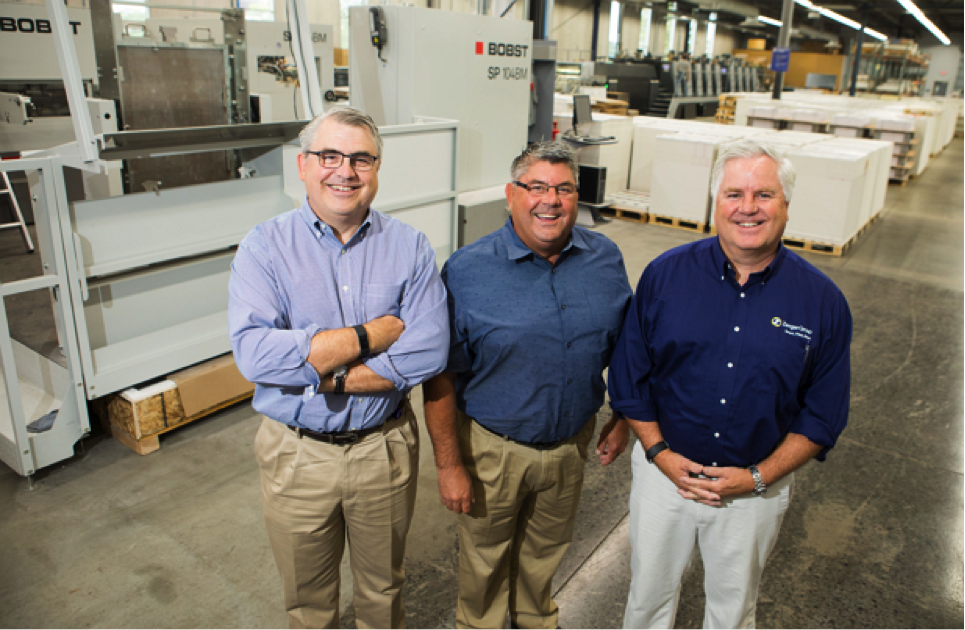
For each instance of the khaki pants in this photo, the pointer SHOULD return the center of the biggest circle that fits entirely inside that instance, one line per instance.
(316, 495)
(514, 537)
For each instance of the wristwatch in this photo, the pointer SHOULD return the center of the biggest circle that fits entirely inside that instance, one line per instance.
(760, 488)
(656, 449)
(363, 341)
(340, 374)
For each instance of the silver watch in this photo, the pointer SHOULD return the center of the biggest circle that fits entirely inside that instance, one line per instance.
(760, 488)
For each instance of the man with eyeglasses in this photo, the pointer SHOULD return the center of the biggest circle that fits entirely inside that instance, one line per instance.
(535, 308)
(336, 312)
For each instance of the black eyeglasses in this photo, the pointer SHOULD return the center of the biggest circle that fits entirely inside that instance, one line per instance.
(333, 159)
(539, 189)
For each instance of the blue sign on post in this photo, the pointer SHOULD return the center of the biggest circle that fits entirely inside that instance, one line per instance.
(780, 59)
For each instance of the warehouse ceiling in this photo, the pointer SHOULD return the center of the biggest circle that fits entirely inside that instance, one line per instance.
(885, 16)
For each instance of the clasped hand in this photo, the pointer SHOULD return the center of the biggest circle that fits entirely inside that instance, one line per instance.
(704, 484)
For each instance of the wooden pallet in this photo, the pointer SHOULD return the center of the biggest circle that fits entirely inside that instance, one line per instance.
(807, 245)
(152, 443)
(625, 213)
(680, 224)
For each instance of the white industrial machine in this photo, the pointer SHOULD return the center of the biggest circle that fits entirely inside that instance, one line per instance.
(408, 61)
(137, 284)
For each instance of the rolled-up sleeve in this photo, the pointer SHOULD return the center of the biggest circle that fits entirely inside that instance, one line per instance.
(628, 380)
(266, 349)
(420, 352)
(827, 394)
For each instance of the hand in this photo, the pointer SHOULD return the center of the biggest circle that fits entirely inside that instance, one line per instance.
(720, 483)
(383, 332)
(455, 489)
(676, 467)
(613, 440)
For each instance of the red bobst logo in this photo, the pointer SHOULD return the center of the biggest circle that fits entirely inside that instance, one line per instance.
(479, 48)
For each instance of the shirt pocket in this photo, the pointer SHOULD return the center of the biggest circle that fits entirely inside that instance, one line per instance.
(788, 358)
(382, 299)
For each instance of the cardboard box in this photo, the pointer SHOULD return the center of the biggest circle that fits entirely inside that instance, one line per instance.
(184, 396)
(341, 57)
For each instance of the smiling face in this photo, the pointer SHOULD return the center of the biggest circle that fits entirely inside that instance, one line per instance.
(543, 224)
(340, 196)
(751, 211)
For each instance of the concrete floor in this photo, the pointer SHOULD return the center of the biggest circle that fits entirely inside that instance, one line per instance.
(873, 538)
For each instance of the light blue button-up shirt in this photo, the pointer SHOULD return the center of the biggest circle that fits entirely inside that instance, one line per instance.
(292, 278)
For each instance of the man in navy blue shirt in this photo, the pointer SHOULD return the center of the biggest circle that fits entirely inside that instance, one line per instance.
(535, 310)
(733, 369)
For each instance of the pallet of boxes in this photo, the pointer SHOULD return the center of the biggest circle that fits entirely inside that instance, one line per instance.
(726, 107)
(137, 417)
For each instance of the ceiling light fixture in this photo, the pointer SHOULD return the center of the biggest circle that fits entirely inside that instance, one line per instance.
(914, 10)
(771, 21)
(837, 17)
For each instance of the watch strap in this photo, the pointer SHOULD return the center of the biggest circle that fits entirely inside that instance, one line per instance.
(760, 488)
(656, 449)
(363, 341)
(340, 374)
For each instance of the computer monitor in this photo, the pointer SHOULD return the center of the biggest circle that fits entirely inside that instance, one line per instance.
(581, 111)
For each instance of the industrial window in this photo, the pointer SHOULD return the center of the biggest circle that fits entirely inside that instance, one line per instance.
(258, 10)
(128, 12)
(646, 15)
(711, 35)
(671, 32)
(616, 17)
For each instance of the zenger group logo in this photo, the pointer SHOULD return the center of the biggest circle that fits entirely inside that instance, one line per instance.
(776, 322)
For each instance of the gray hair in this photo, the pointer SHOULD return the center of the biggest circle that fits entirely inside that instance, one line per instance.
(343, 115)
(748, 148)
(553, 152)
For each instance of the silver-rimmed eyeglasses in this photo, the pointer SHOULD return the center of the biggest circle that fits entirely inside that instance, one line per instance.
(360, 162)
(539, 189)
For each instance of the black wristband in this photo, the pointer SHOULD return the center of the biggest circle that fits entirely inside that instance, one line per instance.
(656, 449)
(363, 341)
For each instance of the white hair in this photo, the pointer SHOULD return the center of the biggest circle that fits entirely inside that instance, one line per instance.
(749, 148)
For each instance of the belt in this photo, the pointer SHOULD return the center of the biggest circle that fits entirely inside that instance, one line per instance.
(345, 438)
(539, 446)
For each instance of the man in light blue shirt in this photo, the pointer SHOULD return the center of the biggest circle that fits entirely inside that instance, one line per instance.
(337, 311)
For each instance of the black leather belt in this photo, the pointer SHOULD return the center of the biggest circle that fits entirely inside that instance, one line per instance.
(341, 438)
(345, 438)
(539, 446)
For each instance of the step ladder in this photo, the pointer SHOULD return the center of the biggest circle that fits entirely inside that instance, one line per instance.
(18, 223)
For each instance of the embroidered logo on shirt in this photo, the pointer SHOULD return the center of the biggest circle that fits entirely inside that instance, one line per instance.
(791, 329)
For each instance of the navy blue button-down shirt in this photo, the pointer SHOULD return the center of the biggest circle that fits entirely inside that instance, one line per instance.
(530, 340)
(728, 370)
(292, 278)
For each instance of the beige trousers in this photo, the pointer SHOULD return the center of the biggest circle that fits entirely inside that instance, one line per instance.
(515, 535)
(316, 495)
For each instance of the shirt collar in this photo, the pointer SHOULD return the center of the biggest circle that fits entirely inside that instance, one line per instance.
(721, 264)
(320, 228)
(516, 249)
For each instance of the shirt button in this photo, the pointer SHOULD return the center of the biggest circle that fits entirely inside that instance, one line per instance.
(344, 288)
(722, 277)
(566, 413)
(742, 295)
(343, 251)
(569, 381)
(713, 463)
(563, 306)
(717, 435)
(737, 328)
(569, 344)
(723, 401)
(730, 365)
(554, 271)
